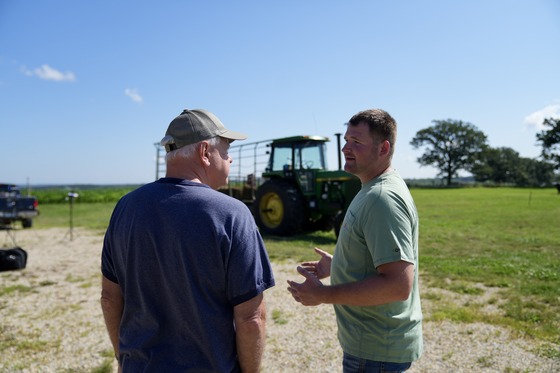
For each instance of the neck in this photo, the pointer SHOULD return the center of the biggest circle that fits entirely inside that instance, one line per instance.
(185, 174)
(381, 172)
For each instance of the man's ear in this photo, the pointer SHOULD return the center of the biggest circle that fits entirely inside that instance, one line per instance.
(385, 148)
(203, 153)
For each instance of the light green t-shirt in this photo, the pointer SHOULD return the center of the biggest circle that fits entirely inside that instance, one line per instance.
(380, 226)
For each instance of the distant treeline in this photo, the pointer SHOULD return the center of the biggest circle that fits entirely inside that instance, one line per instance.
(80, 193)
(469, 182)
(440, 182)
(112, 193)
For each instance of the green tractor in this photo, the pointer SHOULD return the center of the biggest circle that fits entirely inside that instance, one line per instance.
(295, 193)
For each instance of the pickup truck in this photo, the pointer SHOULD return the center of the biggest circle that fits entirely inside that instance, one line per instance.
(15, 207)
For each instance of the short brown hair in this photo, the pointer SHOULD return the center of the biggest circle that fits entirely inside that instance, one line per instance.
(381, 125)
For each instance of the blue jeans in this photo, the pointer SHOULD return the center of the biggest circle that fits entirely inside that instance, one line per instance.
(353, 364)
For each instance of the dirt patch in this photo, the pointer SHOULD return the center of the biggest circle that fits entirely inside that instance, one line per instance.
(51, 321)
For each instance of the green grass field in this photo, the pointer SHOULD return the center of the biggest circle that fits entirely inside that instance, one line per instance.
(503, 238)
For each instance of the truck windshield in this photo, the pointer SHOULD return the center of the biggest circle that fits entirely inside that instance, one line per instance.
(306, 155)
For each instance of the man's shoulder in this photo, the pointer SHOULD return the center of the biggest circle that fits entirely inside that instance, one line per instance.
(224, 201)
(385, 191)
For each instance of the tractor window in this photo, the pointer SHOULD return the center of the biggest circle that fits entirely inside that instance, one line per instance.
(282, 157)
(311, 155)
(307, 155)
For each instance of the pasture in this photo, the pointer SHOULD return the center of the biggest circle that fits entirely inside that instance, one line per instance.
(471, 240)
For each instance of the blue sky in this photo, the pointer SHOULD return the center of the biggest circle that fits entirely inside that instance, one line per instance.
(88, 87)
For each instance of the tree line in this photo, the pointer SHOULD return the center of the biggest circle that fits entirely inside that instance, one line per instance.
(453, 145)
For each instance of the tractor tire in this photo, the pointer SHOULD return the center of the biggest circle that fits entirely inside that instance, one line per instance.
(279, 208)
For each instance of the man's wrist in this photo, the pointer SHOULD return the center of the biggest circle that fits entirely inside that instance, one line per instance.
(327, 294)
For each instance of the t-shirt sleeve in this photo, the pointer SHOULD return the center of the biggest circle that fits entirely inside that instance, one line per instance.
(249, 272)
(389, 232)
(107, 264)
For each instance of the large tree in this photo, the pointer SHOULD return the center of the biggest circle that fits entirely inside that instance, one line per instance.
(498, 165)
(535, 173)
(550, 141)
(451, 145)
(505, 166)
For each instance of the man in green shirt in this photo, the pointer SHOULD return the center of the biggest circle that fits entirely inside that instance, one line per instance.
(374, 270)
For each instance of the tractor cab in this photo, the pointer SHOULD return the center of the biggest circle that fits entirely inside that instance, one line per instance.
(300, 192)
(297, 153)
(288, 186)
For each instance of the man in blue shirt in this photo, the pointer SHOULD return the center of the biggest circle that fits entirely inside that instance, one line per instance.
(184, 266)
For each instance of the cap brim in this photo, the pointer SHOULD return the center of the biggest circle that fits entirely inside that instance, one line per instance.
(233, 135)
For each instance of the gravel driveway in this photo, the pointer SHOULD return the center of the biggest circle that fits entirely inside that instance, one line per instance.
(51, 321)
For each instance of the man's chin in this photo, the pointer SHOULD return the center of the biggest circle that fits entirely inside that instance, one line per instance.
(221, 185)
(224, 184)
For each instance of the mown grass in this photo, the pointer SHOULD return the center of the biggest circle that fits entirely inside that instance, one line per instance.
(86, 215)
(85, 193)
(505, 238)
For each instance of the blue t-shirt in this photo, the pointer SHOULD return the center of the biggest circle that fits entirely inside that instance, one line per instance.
(184, 255)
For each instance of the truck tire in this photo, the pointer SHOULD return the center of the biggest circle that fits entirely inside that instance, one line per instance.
(279, 208)
(27, 223)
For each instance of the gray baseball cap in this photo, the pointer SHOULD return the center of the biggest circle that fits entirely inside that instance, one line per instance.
(192, 126)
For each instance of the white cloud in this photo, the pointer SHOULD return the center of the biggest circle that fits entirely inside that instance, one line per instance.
(134, 95)
(537, 118)
(48, 73)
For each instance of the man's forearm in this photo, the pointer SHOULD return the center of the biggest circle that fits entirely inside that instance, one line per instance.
(250, 336)
(373, 291)
(112, 322)
(250, 329)
(112, 306)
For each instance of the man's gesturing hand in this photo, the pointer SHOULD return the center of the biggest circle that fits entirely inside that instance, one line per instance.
(308, 293)
(320, 268)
